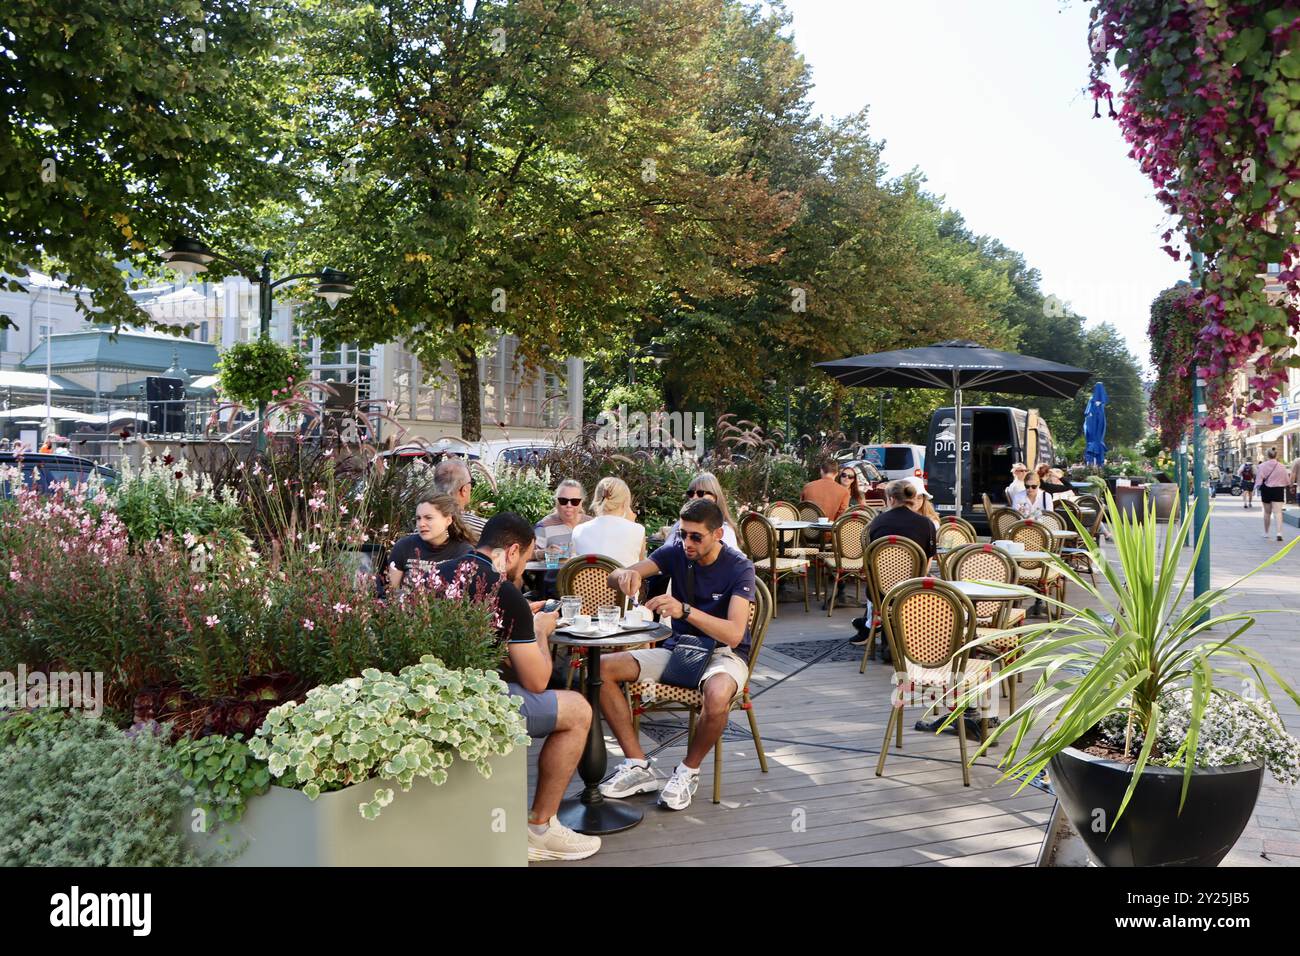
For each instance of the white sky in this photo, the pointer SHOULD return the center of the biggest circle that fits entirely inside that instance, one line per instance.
(987, 98)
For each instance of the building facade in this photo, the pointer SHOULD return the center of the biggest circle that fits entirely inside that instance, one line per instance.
(518, 401)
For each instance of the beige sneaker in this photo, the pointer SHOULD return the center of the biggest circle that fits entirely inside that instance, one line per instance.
(560, 843)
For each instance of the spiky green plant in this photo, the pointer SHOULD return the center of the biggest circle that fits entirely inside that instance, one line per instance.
(1146, 637)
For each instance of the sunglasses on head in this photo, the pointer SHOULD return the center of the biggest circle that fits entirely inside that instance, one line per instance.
(572, 502)
(694, 537)
(699, 493)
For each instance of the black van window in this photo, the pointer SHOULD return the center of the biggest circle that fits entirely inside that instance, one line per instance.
(897, 459)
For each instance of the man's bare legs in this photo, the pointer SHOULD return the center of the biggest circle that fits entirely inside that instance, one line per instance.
(719, 690)
(560, 755)
(617, 669)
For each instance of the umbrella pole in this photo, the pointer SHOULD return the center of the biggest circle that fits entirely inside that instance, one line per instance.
(956, 401)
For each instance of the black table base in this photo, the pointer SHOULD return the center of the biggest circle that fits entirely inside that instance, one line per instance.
(591, 813)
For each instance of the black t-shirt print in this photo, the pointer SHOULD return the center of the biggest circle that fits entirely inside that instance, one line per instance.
(516, 615)
(413, 553)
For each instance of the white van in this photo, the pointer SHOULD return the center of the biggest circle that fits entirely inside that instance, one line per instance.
(896, 461)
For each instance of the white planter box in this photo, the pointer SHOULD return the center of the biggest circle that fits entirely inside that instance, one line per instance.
(468, 821)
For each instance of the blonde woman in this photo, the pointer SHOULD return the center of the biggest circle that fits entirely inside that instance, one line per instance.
(613, 531)
(706, 485)
(556, 529)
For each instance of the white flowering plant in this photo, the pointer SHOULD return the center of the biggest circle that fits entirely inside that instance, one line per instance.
(390, 726)
(1234, 730)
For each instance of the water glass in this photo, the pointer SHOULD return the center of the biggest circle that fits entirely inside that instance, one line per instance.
(552, 557)
(608, 616)
(570, 606)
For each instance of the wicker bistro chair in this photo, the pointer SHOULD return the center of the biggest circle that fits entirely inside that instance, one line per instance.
(984, 562)
(1039, 575)
(654, 697)
(1001, 520)
(954, 532)
(889, 560)
(844, 560)
(1092, 512)
(758, 538)
(1079, 559)
(812, 541)
(1054, 522)
(929, 625)
(587, 576)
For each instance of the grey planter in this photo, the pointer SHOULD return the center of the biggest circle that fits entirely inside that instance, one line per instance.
(468, 821)
(1164, 495)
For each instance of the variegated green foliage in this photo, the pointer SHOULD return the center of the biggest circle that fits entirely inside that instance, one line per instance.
(390, 727)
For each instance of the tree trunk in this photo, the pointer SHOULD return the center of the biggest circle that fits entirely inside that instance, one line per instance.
(471, 406)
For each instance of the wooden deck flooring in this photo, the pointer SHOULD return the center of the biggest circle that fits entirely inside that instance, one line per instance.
(821, 803)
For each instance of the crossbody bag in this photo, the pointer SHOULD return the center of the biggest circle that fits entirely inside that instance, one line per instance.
(691, 652)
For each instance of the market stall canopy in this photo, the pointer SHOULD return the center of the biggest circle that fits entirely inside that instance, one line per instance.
(42, 412)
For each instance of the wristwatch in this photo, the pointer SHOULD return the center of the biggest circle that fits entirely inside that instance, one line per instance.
(686, 611)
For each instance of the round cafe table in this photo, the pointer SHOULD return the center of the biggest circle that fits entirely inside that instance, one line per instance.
(590, 812)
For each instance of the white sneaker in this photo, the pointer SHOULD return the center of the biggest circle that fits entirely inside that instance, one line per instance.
(560, 843)
(679, 789)
(630, 778)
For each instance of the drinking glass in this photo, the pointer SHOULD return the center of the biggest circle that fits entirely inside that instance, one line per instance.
(570, 606)
(608, 616)
(552, 557)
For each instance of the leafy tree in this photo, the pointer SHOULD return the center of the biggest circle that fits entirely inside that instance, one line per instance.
(530, 168)
(129, 121)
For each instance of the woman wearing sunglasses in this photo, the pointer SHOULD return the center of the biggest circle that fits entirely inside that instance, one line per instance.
(1033, 501)
(555, 531)
(849, 479)
(706, 485)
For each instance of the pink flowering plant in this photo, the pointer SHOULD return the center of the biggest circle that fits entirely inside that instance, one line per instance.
(1209, 96)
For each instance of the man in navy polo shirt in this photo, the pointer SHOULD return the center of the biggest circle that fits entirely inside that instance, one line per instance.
(723, 586)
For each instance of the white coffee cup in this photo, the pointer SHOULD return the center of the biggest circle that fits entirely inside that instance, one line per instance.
(582, 622)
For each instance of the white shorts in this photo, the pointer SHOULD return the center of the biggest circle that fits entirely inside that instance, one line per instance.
(653, 660)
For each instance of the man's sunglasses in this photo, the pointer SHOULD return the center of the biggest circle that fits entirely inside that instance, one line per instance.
(694, 537)
(572, 502)
(699, 493)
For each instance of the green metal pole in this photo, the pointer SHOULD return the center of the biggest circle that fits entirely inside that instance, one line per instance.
(264, 309)
(1201, 514)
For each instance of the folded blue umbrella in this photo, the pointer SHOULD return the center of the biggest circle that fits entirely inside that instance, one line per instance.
(1094, 427)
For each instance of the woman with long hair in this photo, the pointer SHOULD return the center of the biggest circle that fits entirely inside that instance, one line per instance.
(441, 535)
(848, 477)
(613, 531)
(706, 485)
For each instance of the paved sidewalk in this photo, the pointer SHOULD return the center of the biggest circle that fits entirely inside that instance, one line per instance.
(822, 721)
(1237, 545)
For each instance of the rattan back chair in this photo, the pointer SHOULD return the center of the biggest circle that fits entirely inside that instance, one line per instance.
(844, 560)
(758, 538)
(888, 560)
(929, 625)
(1078, 557)
(655, 697)
(954, 532)
(586, 576)
(1054, 521)
(1001, 520)
(1092, 512)
(1042, 576)
(984, 562)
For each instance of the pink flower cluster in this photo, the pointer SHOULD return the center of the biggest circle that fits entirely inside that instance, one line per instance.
(1201, 100)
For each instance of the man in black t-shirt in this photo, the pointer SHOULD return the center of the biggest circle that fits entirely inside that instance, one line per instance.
(899, 519)
(562, 717)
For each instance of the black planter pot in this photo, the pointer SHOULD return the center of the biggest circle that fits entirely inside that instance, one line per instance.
(1152, 832)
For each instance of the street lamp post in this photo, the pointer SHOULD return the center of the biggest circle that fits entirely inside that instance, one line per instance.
(189, 257)
(880, 437)
(49, 349)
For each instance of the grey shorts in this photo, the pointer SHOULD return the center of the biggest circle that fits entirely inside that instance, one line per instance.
(540, 710)
(724, 660)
